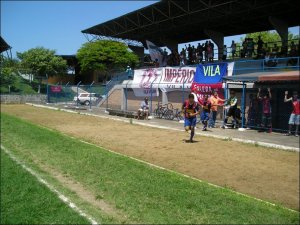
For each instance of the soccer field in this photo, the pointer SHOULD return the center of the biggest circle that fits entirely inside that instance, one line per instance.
(125, 190)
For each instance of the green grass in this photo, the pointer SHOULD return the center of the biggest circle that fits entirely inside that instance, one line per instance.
(25, 200)
(145, 194)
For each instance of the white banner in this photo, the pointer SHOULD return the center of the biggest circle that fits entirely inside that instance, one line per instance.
(230, 67)
(155, 52)
(176, 78)
(146, 79)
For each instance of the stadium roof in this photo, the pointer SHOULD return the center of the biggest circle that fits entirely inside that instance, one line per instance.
(185, 20)
(3, 45)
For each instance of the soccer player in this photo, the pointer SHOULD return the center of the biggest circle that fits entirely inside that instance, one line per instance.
(232, 104)
(295, 115)
(266, 120)
(206, 106)
(190, 108)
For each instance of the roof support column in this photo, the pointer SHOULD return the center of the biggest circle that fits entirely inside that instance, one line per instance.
(282, 29)
(218, 38)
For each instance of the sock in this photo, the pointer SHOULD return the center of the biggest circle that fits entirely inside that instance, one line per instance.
(192, 134)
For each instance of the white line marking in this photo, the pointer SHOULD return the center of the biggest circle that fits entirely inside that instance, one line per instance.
(260, 143)
(66, 200)
(172, 171)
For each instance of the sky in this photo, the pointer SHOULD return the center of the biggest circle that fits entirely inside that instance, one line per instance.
(57, 24)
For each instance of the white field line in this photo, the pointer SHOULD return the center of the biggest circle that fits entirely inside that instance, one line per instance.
(65, 199)
(260, 143)
(172, 171)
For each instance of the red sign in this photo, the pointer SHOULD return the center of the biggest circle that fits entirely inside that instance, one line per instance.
(207, 89)
(55, 89)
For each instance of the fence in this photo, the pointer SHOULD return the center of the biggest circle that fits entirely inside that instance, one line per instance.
(83, 95)
(249, 106)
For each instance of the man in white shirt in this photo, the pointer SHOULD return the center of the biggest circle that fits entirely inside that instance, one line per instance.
(144, 109)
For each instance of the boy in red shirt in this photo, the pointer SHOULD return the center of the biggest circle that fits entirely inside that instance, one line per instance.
(266, 122)
(295, 115)
(190, 108)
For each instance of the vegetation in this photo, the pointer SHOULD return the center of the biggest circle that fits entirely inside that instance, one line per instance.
(41, 62)
(145, 194)
(104, 56)
(26, 201)
(268, 36)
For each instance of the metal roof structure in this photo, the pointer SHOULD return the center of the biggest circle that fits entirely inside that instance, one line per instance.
(186, 20)
(3, 45)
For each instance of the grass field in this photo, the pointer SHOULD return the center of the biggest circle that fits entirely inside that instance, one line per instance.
(25, 200)
(131, 191)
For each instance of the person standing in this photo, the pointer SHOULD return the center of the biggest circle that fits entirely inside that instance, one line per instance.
(295, 115)
(215, 102)
(266, 119)
(231, 104)
(190, 109)
(233, 49)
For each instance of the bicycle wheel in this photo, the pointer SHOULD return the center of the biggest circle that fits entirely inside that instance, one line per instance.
(170, 114)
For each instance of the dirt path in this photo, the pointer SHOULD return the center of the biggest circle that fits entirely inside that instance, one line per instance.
(272, 175)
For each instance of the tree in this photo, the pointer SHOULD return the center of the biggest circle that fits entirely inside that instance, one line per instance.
(9, 68)
(268, 36)
(104, 56)
(42, 62)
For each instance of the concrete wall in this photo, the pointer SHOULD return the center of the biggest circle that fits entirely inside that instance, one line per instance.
(20, 99)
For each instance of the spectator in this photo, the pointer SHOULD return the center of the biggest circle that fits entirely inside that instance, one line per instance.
(156, 63)
(231, 105)
(205, 51)
(293, 46)
(224, 53)
(260, 44)
(233, 49)
(270, 60)
(183, 57)
(244, 49)
(209, 52)
(266, 123)
(252, 120)
(275, 49)
(295, 115)
(292, 57)
(199, 53)
(215, 102)
(144, 109)
(165, 57)
(194, 52)
(250, 47)
(211, 59)
(190, 53)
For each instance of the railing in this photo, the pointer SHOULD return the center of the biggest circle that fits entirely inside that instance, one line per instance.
(266, 65)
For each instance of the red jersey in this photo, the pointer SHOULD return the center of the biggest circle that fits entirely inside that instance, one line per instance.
(296, 107)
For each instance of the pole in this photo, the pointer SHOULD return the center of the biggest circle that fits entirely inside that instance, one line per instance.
(47, 89)
(106, 90)
(126, 96)
(243, 105)
(91, 95)
(151, 97)
(77, 92)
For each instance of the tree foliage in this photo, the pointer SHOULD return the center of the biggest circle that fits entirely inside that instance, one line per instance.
(9, 68)
(104, 56)
(268, 36)
(42, 62)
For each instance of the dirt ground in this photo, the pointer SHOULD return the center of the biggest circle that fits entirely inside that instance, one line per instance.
(268, 174)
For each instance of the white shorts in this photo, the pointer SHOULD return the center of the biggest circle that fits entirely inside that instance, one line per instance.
(294, 119)
(143, 110)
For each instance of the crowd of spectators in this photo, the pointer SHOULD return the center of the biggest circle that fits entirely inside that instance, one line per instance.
(204, 53)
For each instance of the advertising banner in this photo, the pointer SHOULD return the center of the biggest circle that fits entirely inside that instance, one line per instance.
(175, 78)
(55, 89)
(208, 78)
(146, 81)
